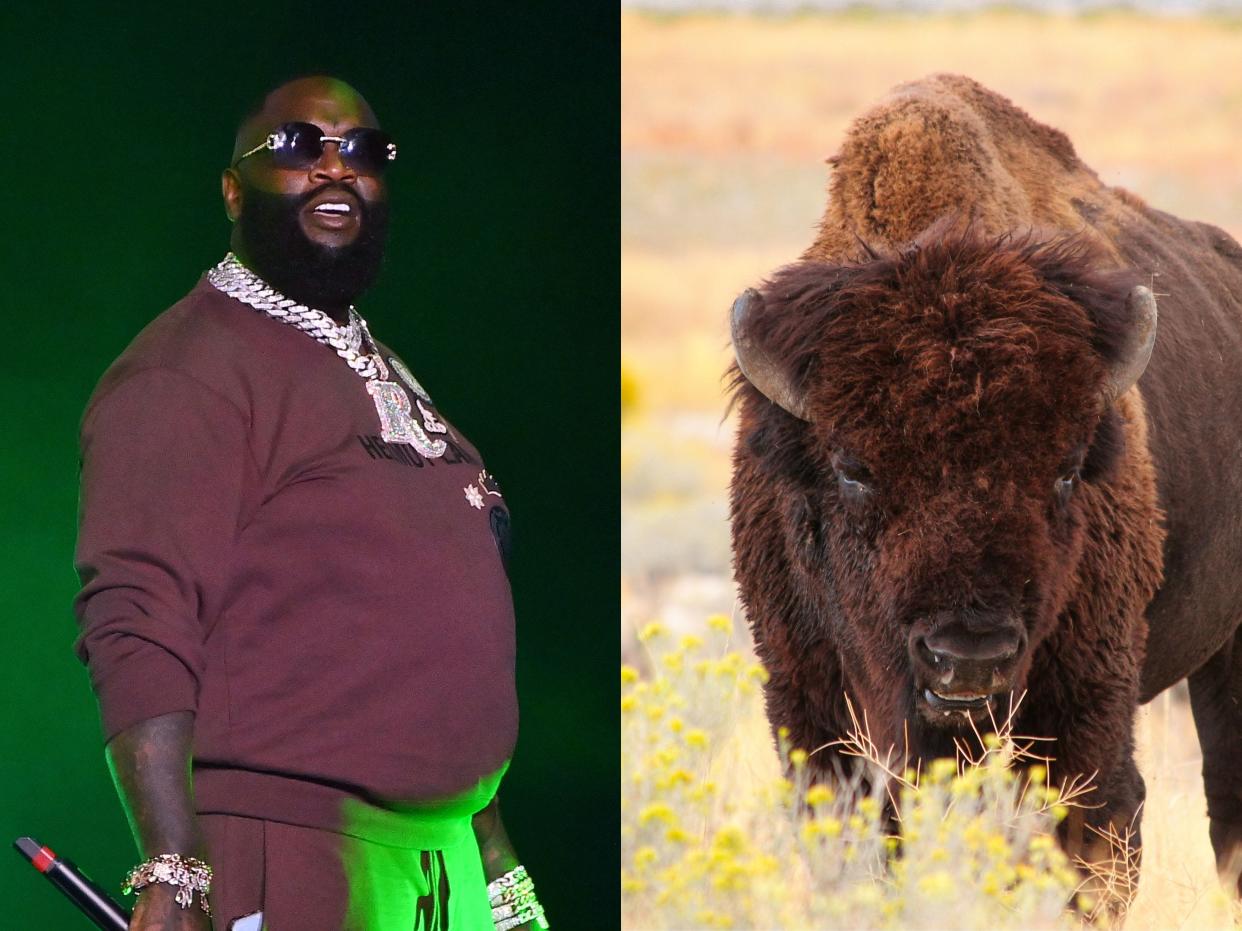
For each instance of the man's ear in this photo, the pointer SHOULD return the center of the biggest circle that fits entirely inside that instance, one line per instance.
(231, 189)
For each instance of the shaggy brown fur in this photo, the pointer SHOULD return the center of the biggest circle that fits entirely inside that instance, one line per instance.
(953, 365)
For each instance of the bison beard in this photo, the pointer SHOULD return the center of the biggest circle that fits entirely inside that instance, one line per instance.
(941, 483)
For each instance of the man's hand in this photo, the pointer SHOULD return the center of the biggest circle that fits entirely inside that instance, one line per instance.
(157, 910)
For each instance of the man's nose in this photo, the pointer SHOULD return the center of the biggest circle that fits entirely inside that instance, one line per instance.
(330, 166)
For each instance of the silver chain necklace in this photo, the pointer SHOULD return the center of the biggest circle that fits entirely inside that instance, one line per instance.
(397, 422)
(240, 283)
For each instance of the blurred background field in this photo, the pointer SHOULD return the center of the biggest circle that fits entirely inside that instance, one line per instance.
(726, 121)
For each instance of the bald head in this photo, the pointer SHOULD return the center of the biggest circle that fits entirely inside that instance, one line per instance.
(325, 101)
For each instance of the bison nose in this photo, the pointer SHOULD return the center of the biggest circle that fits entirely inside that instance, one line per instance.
(957, 645)
(968, 660)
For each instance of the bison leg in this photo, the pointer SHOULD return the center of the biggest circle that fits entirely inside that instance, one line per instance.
(1216, 700)
(1105, 843)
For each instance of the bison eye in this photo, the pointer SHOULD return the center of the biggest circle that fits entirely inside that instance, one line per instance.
(853, 487)
(1066, 484)
(852, 477)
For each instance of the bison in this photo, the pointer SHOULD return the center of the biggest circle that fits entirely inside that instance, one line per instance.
(970, 465)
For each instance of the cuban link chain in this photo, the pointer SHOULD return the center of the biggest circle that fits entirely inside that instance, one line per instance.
(392, 404)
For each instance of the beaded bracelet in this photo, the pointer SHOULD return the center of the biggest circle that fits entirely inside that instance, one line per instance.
(188, 874)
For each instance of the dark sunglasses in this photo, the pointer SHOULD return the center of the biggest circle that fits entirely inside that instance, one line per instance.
(300, 145)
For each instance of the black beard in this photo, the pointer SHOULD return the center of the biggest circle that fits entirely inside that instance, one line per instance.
(279, 251)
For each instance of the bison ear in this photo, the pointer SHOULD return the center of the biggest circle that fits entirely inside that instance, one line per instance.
(756, 363)
(1136, 350)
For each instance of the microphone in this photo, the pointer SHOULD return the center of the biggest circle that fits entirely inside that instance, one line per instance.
(61, 873)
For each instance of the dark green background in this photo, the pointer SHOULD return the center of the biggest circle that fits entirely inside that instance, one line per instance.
(501, 289)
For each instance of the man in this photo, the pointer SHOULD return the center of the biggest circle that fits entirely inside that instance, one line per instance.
(295, 608)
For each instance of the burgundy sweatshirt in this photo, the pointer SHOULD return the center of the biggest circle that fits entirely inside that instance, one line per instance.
(334, 608)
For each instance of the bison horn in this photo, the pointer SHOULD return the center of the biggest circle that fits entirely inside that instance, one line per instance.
(1139, 343)
(760, 369)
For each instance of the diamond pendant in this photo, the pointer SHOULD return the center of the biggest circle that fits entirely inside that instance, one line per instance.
(430, 424)
(397, 425)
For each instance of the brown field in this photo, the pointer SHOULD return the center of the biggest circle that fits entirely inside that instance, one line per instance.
(726, 121)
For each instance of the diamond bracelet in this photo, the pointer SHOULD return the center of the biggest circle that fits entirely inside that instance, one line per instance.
(188, 874)
(512, 897)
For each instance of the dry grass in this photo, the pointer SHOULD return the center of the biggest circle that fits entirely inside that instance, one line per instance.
(709, 839)
(711, 834)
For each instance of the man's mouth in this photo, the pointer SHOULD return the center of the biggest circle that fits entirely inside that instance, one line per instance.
(333, 210)
(333, 215)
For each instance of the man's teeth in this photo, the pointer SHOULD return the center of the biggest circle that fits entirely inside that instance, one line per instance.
(332, 208)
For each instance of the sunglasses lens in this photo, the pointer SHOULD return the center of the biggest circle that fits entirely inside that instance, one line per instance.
(367, 150)
(296, 145)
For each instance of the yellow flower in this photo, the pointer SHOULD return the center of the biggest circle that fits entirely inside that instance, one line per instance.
(691, 642)
(645, 857)
(797, 758)
(997, 847)
(973, 832)
(666, 756)
(628, 674)
(820, 795)
(1040, 843)
(674, 662)
(869, 807)
(1037, 774)
(629, 703)
(729, 839)
(651, 631)
(696, 738)
(942, 770)
(657, 811)
(720, 622)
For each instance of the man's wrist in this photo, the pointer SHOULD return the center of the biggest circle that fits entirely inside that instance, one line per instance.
(190, 877)
(513, 901)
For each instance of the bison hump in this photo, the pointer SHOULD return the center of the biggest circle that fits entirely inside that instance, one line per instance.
(943, 148)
